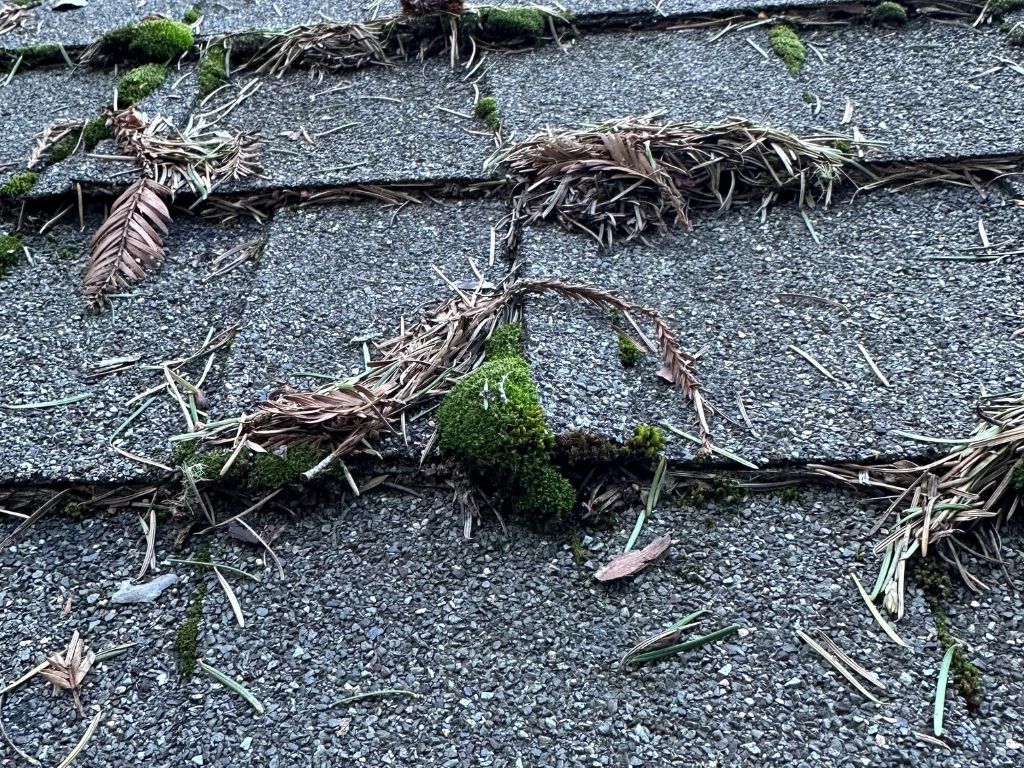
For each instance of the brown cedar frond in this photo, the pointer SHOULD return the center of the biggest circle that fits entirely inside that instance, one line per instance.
(325, 47)
(975, 488)
(620, 178)
(425, 362)
(197, 157)
(130, 240)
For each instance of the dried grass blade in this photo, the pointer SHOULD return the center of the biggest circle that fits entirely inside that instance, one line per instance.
(886, 627)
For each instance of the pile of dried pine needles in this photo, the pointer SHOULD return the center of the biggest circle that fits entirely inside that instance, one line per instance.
(958, 503)
(421, 363)
(621, 178)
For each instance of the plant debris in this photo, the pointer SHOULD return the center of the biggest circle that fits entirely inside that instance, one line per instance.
(623, 177)
(666, 643)
(969, 493)
(67, 670)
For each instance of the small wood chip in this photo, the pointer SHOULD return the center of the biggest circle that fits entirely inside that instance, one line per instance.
(632, 563)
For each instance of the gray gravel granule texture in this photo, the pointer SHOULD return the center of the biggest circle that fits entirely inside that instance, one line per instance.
(511, 646)
(377, 124)
(919, 90)
(744, 292)
(50, 340)
(334, 278)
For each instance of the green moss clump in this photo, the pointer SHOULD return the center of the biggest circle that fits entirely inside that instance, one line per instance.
(160, 40)
(933, 579)
(186, 641)
(1018, 478)
(10, 252)
(510, 23)
(888, 12)
(1000, 8)
(139, 83)
(19, 184)
(38, 53)
(583, 447)
(62, 149)
(192, 15)
(74, 511)
(270, 471)
(579, 554)
(629, 353)
(723, 492)
(95, 131)
(487, 110)
(1016, 35)
(213, 70)
(505, 342)
(67, 252)
(493, 422)
(790, 495)
(787, 46)
(647, 442)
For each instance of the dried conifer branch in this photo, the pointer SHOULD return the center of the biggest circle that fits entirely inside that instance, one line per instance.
(425, 362)
(968, 494)
(621, 178)
(197, 157)
(324, 47)
(129, 241)
(49, 136)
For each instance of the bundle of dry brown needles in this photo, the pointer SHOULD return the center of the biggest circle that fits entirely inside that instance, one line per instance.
(939, 507)
(621, 178)
(424, 362)
(324, 47)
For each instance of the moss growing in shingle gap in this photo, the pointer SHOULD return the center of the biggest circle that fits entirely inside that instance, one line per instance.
(724, 492)
(629, 353)
(505, 342)
(506, 23)
(493, 422)
(647, 442)
(192, 15)
(10, 252)
(787, 46)
(213, 70)
(139, 83)
(95, 131)
(19, 184)
(933, 579)
(889, 13)
(271, 471)
(186, 641)
(487, 110)
(153, 40)
(1016, 35)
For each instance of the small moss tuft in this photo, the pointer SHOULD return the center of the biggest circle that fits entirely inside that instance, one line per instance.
(583, 447)
(505, 342)
(579, 554)
(186, 641)
(933, 579)
(213, 70)
(888, 12)
(74, 511)
(95, 131)
(60, 150)
(788, 47)
(647, 442)
(19, 184)
(192, 15)
(1016, 35)
(790, 495)
(1018, 478)
(723, 492)
(139, 83)
(487, 110)
(38, 53)
(271, 471)
(493, 422)
(629, 353)
(10, 252)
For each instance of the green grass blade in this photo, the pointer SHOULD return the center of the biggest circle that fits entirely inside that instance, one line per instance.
(689, 645)
(235, 686)
(652, 499)
(940, 689)
(47, 403)
(874, 612)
